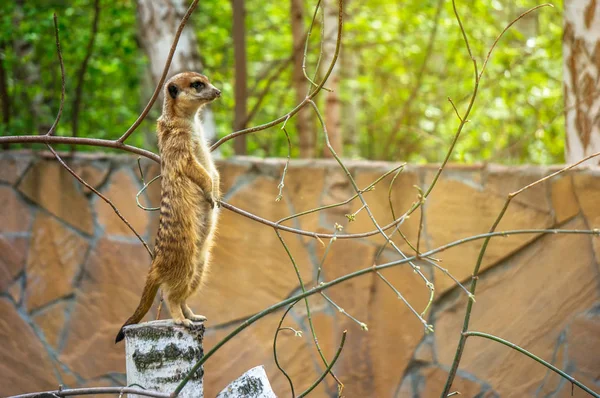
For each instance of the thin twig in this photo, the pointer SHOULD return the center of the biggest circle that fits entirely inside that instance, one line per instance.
(62, 78)
(308, 313)
(287, 163)
(275, 348)
(415, 268)
(328, 370)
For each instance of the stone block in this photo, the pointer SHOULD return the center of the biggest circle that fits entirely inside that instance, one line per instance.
(55, 257)
(51, 187)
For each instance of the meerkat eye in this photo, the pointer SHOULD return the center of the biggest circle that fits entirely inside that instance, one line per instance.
(197, 85)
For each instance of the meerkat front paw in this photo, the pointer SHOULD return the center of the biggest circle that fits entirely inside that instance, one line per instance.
(197, 318)
(210, 199)
(185, 322)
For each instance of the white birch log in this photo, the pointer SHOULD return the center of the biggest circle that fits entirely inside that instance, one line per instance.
(159, 354)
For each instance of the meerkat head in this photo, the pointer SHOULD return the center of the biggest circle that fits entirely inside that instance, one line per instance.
(187, 92)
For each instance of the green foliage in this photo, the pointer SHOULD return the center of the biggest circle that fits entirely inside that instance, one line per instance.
(518, 116)
(111, 99)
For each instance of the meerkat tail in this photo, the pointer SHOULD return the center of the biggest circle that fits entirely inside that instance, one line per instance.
(146, 301)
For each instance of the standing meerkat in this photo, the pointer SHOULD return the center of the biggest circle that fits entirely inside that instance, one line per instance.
(189, 195)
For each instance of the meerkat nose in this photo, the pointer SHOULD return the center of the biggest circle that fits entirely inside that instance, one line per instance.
(218, 92)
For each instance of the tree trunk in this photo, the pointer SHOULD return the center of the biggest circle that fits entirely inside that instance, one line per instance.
(304, 128)
(241, 81)
(332, 100)
(4, 98)
(157, 23)
(581, 57)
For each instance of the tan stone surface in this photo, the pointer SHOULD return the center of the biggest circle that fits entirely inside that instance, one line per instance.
(583, 339)
(435, 379)
(109, 293)
(151, 198)
(92, 173)
(16, 291)
(543, 297)
(121, 191)
(587, 190)
(25, 365)
(254, 347)
(371, 301)
(528, 301)
(503, 180)
(14, 214)
(456, 210)
(12, 259)
(424, 353)
(12, 167)
(250, 266)
(564, 201)
(303, 188)
(55, 257)
(49, 185)
(229, 173)
(51, 322)
(552, 381)
(68, 379)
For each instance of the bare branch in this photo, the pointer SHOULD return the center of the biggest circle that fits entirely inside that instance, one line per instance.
(96, 390)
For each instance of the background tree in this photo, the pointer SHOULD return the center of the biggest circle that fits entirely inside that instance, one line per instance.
(333, 104)
(157, 24)
(304, 127)
(399, 64)
(241, 81)
(581, 54)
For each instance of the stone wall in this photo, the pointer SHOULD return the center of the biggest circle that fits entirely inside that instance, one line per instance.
(71, 272)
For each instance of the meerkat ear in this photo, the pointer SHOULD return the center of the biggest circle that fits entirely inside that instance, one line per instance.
(173, 90)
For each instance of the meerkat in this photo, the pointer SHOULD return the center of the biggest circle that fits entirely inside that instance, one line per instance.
(189, 198)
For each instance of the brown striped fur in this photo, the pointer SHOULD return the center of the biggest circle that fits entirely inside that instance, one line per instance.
(190, 191)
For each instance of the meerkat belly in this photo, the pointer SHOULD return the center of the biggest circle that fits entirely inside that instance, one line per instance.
(183, 226)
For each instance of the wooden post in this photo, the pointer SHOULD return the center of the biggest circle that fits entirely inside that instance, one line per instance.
(159, 354)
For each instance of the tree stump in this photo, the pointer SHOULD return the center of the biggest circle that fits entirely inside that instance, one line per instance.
(159, 354)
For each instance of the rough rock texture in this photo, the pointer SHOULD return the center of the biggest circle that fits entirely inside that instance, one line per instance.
(18, 219)
(54, 259)
(25, 365)
(51, 187)
(515, 302)
(121, 189)
(71, 273)
(12, 167)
